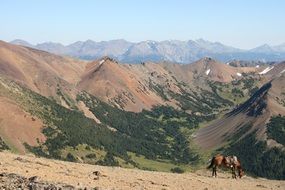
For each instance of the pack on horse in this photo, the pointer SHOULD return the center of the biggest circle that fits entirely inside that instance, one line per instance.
(227, 161)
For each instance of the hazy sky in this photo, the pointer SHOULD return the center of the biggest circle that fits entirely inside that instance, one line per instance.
(239, 23)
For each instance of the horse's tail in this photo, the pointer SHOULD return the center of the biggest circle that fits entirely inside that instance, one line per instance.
(212, 163)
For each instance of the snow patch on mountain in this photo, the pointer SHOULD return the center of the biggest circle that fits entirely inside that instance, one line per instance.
(208, 71)
(101, 62)
(266, 70)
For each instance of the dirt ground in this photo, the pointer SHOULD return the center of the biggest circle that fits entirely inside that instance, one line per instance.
(84, 175)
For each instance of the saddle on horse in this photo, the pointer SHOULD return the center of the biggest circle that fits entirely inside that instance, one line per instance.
(231, 160)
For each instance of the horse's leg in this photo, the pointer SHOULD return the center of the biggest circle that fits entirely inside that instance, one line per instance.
(239, 172)
(233, 176)
(234, 172)
(215, 171)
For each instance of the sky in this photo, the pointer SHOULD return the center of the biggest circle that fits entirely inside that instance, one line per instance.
(239, 23)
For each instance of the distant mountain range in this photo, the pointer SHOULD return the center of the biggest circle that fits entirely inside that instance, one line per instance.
(170, 50)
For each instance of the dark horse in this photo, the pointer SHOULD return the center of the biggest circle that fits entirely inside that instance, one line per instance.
(227, 161)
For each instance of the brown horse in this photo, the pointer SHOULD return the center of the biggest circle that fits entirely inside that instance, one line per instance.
(227, 161)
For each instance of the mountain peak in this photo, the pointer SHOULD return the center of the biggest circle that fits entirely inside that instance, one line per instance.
(21, 43)
(206, 60)
(201, 40)
(265, 48)
(110, 59)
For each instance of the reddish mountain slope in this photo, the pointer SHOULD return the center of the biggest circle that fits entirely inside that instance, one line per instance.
(40, 71)
(209, 69)
(126, 86)
(18, 127)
